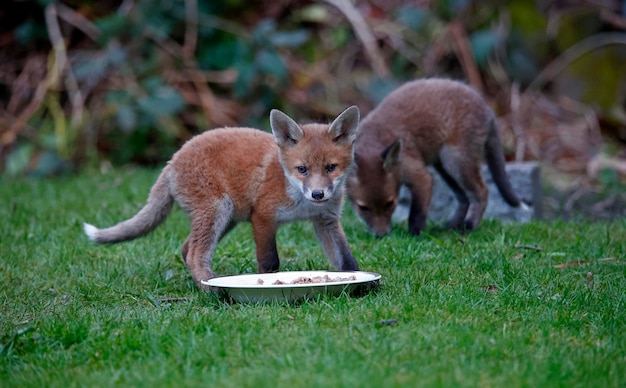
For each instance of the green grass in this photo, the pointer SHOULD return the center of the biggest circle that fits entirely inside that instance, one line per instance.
(473, 310)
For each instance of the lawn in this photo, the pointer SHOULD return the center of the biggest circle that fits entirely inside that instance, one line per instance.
(541, 304)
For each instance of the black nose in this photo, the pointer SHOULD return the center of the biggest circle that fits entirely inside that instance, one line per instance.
(317, 194)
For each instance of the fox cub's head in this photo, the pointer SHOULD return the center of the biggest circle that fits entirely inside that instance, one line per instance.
(316, 157)
(373, 187)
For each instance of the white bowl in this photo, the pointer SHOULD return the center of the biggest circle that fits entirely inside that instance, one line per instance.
(262, 288)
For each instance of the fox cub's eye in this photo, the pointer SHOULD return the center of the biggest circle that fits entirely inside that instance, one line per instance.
(331, 167)
(302, 170)
(363, 208)
(389, 205)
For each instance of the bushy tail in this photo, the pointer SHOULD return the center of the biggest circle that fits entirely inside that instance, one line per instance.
(149, 217)
(495, 161)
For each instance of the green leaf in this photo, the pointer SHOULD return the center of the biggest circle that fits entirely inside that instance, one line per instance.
(270, 62)
(245, 80)
(126, 118)
(526, 16)
(30, 31)
(222, 54)
(340, 36)
(378, 89)
(91, 65)
(413, 17)
(119, 97)
(18, 160)
(50, 163)
(165, 101)
(521, 65)
(483, 43)
(263, 31)
(289, 38)
(315, 13)
(449, 9)
(111, 27)
(162, 99)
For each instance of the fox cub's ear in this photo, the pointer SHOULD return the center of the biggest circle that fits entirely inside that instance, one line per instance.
(345, 126)
(391, 155)
(285, 130)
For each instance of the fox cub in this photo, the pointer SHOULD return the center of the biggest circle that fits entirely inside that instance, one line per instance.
(228, 175)
(438, 122)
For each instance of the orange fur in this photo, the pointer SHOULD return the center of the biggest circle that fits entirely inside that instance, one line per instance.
(436, 122)
(229, 175)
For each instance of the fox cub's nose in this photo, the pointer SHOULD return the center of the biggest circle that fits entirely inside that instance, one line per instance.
(317, 194)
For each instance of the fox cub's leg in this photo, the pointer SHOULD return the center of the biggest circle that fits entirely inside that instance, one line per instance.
(477, 194)
(264, 229)
(207, 228)
(465, 172)
(333, 239)
(421, 187)
(458, 218)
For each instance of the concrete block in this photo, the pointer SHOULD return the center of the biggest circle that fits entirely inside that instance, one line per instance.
(525, 178)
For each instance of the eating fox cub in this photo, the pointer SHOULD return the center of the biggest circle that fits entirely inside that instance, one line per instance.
(438, 122)
(228, 175)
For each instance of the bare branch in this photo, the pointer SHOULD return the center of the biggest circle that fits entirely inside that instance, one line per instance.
(464, 53)
(62, 65)
(576, 51)
(191, 32)
(79, 21)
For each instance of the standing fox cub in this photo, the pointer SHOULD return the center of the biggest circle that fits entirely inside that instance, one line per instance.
(228, 175)
(436, 122)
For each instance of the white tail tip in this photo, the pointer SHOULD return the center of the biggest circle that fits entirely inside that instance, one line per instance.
(91, 231)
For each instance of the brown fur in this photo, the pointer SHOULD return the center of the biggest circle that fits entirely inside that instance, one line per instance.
(436, 122)
(228, 175)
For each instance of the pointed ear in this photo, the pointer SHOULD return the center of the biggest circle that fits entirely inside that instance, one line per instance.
(285, 130)
(355, 163)
(391, 155)
(345, 126)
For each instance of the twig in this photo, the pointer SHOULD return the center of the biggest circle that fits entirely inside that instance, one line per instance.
(600, 207)
(600, 162)
(365, 35)
(79, 21)
(569, 204)
(62, 64)
(613, 19)
(207, 99)
(574, 52)
(434, 54)
(393, 32)
(191, 31)
(9, 136)
(227, 76)
(179, 299)
(530, 247)
(125, 8)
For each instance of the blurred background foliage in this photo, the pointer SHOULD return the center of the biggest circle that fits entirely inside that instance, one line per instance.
(87, 84)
